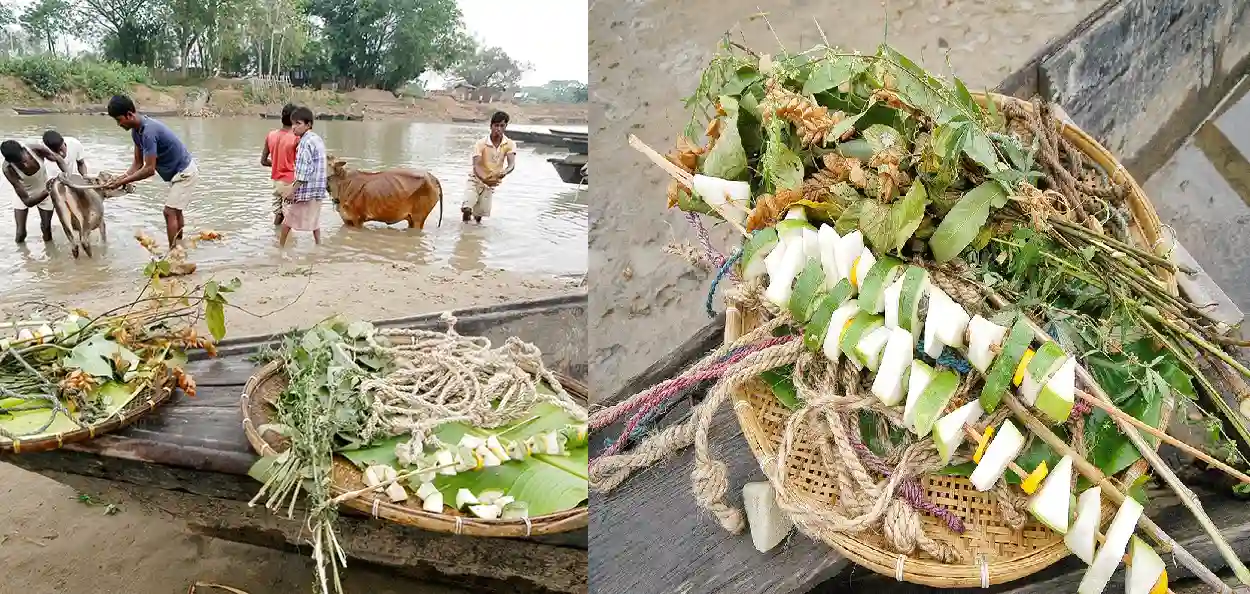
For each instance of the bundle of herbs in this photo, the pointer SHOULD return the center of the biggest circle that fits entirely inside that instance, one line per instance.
(77, 371)
(864, 185)
(469, 430)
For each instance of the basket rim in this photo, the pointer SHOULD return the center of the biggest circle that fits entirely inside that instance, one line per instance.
(380, 507)
(158, 393)
(924, 570)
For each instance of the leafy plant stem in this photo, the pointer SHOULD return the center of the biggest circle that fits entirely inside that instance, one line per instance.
(1115, 244)
(1199, 342)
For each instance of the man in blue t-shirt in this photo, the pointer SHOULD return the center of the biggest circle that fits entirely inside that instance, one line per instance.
(157, 151)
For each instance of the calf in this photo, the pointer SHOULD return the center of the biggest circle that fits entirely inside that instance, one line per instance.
(79, 204)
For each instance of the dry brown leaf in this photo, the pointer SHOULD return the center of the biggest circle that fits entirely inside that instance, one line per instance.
(769, 208)
(812, 121)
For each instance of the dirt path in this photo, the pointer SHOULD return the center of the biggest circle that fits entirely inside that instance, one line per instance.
(54, 543)
(646, 56)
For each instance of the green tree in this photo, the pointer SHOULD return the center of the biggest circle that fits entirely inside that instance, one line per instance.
(47, 20)
(129, 31)
(389, 43)
(489, 67)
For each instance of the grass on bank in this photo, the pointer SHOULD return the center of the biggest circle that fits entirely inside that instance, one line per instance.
(98, 81)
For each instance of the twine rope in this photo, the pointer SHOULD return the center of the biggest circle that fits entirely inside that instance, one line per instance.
(444, 377)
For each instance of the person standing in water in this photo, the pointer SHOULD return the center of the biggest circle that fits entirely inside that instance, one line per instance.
(494, 157)
(158, 151)
(25, 169)
(278, 155)
(302, 209)
(69, 148)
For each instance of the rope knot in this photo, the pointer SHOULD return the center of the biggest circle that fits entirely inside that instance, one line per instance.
(710, 481)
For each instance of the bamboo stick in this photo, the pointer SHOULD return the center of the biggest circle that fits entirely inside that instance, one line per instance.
(1178, 444)
(1161, 468)
(684, 178)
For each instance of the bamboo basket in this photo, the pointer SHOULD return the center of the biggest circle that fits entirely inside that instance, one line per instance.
(994, 552)
(263, 388)
(156, 394)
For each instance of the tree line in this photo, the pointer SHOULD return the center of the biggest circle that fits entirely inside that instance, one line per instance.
(385, 44)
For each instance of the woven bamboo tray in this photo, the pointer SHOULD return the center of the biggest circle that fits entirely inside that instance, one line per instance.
(1007, 554)
(140, 405)
(267, 383)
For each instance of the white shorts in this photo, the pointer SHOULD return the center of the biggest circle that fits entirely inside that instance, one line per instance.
(478, 198)
(46, 205)
(182, 186)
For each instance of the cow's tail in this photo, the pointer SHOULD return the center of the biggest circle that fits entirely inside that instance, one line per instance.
(438, 186)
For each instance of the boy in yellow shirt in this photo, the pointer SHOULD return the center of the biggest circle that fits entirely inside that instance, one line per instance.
(494, 157)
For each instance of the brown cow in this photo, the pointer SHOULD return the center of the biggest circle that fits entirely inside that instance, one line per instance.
(79, 204)
(388, 196)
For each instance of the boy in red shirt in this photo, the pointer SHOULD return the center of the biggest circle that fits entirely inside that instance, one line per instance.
(278, 155)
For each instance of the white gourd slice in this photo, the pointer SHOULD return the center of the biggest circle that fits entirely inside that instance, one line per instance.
(1145, 568)
(953, 323)
(374, 475)
(730, 198)
(433, 503)
(465, 497)
(827, 237)
(846, 250)
(444, 458)
(769, 526)
(425, 490)
(396, 492)
(892, 295)
(948, 432)
(917, 380)
(1004, 447)
(1058, 395)
(832, 348)
(1050, 503)
(891, 380)
(486, 512)
(1082, 536)
(1108, 557)
(871, 346)
(781, 279)
(983, 337)
(937, 301)
(811, 245)
(860, 268)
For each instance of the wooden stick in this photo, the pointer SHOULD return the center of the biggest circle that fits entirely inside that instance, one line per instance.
(1148, 452)
(1178, 444)
(684, 178)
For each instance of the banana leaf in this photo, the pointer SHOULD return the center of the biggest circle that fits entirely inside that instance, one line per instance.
(112, 396)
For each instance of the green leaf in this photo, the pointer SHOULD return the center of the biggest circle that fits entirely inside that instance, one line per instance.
(906, 214)
(841, 127)
(824, 212)
(978, 147)
(883, 138)
(741, 79)
(913, 85)
(961, 225)
(1110, 450)
(727, 159)
(832, 72)
(875, 223)
(544, 482)
(786, 168)
(215, 316)
(965, 99)
(94, 356)
(849, 220)
(778, 381)
(1034, 454)
(109, 398)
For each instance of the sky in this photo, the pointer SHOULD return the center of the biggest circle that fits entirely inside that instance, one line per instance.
(549, 34)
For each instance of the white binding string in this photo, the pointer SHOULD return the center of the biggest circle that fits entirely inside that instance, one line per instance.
(898, 567)
(376, 502)
(528, 525)
(985, 570)
(741, 404)
(766, 464)
(459, 524)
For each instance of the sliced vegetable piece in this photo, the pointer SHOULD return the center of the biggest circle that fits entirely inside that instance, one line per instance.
(952, 324)
(948, 432)
(918, 378)
(1050, 504)
(1082, 536)
(891, 380)
(1004, 449)
(827, 237)
(465, 497)
(915, 289)
(731, 198)
(998, 379)
(846, 251)
(871, 346)
(860, 268)
(1044, 363)
(808, 288)
(791, 230)
(861, 325)
(1108, 556)
(839, 323)
(1145, 568)
(933, 312)
(426, 490)
(781, 278)
(872, 291)
(486, 512)
(933, 401)
(892, 294)
(1059, 394)
(819, 325)
(769, 526)
(433, 503)
(1034, 480)
(756, 250)
(983, 337)
(811, 245)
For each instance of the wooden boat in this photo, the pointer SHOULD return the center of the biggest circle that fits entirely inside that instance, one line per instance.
(571, 168)
(577, 146)
(670, 544)
(570, 133)
(468, 120)
(191, 455)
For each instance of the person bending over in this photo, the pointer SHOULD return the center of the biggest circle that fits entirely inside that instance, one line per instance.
(25, 169)
(69, 148)
(157, 151)
(494, 157)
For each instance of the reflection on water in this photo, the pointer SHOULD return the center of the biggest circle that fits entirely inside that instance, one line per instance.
(538, 223)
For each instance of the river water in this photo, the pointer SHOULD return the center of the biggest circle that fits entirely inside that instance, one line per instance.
(538, 224)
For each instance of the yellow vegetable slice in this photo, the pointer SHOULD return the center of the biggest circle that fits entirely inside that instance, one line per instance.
(1035, 478)
(985, 443)
(1022, 368)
